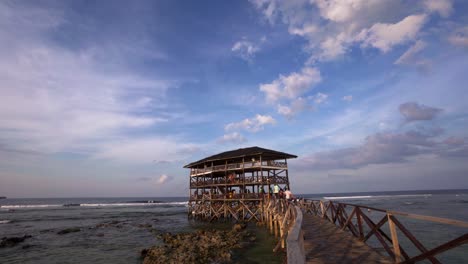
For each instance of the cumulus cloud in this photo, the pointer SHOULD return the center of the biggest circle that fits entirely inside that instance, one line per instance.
(234, 137)
(331, 27)
(347, 98)
(245, 49)
(292, 85)
(443, 7)
(253, 125)
(413, 111)
(384, 36)
(298, 105)
(384, 148)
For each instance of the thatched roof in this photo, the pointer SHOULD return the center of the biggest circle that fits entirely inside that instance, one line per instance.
(246, 153)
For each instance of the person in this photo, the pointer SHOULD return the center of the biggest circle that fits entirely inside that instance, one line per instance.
(281, 193)
(276, 189)
(288, 194)
(231, 178)
(261, 191)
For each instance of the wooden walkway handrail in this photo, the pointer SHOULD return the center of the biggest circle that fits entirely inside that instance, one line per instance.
(283, 219)
(353, 217)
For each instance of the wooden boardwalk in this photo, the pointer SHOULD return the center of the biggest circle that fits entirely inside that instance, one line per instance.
(326, 243)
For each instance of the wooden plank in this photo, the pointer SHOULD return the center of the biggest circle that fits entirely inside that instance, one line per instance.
(326, 243)
(379, 235)
(432, 219)
(395, 242)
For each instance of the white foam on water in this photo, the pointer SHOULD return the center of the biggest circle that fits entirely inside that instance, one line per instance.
(30, 206)
(133, 204)
(22, 206)
(375, 196)
(347, 197)
(4, 221)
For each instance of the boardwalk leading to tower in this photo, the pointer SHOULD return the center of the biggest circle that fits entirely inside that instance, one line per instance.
(324, 242)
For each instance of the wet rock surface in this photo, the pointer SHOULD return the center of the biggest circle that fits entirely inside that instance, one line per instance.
(13, 241)
(69, 230)
(202, 246)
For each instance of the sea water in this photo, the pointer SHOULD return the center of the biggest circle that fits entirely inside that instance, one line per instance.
(112, 230)
(115, 230)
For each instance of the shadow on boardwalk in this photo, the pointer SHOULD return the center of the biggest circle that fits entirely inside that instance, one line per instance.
(326, 243)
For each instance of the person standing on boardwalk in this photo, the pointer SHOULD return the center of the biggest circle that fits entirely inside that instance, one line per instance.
(288, 194)
(276, 189)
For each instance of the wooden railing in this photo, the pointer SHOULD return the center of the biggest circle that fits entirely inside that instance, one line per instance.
(366, 222)
(284, 220)
(238, 166)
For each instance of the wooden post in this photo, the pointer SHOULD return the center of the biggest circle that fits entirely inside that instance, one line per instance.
(396, 244)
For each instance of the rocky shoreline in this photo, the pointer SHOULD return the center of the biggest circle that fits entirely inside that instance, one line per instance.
(201, 246)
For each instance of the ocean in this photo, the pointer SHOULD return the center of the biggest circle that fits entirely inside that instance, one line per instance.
(115, 230)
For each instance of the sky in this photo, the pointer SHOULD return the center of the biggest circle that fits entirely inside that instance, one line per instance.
(113, 98)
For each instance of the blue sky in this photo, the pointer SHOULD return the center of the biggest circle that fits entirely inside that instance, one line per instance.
(112, 98)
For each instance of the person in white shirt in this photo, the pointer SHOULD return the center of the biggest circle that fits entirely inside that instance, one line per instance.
(288, 194)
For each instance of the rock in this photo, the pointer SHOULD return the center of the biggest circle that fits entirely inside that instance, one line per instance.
(198, 247)
(144, 252)
(27, 246)
(12, 241)
(69, 230)
(237, 227)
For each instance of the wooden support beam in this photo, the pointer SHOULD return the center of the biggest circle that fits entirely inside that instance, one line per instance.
(395, 242)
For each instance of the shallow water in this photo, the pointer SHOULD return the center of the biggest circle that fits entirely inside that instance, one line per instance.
(115, 230)
(112, 230)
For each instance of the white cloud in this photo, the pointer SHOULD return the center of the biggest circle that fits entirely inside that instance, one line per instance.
(320, 98)
(331, 27)
(254, 124)
(342, 11)
(291, 86)
(306, 30)
(410, 57)
(56, 99)
(384, 36)
(164, 179)
(348, 98)
(144, 150)
(234, 137)
(298, 105)
(268, 9)
(443, 7)
(245, 49)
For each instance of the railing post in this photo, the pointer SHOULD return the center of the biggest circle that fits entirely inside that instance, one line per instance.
(322, 208)
(396, 244)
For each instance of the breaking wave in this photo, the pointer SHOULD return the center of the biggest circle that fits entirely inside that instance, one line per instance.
(147, 203)
(374, 196)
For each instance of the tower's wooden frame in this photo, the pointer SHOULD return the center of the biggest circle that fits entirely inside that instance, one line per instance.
(244, 171)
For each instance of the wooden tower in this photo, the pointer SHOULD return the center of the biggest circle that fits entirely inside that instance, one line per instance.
(233, 184)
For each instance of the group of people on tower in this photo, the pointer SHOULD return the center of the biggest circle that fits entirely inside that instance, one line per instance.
(278, 192)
